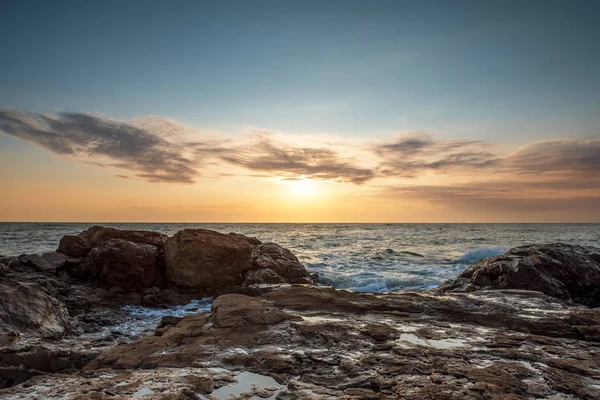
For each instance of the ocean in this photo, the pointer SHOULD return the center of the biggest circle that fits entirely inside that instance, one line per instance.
(357, 257)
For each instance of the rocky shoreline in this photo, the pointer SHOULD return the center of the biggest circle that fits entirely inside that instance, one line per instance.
(523, 325)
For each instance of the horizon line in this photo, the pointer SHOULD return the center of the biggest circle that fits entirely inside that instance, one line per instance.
(290, 223)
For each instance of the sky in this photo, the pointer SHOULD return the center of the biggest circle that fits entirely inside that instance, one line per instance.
(300, 111)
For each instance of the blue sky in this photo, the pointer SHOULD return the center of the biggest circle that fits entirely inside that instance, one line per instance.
(348, 67)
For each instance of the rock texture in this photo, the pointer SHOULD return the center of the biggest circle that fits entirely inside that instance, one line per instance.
(206, 260)
(327, 344)
(565, 271)
(486, 335)
(80, 245)
(281, 261)
(122, 263)
(27, 309)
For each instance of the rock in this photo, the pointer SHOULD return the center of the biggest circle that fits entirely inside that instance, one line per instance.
(252, 240)
(206, 260)
(25, 308)
(166, 322)
(236, 310)
(9, 338)
(46, 262)
(3, 269)
(80, 245)
(262, 276)
(564, 271)
(96, 235)
(282, 261)
(73, 246)
(122, 263)
(484, 345)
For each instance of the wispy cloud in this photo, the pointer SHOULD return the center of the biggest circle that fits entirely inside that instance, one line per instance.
(409, 155)
(154, 149)
(289, 161)
(581, 156)
(146, 151)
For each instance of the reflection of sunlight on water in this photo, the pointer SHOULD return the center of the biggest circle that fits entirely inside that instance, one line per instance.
(248, 382)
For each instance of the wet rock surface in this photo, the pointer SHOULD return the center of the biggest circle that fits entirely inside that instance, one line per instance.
(25, 308)
(309, 342)
(559, 270)
(61, 309)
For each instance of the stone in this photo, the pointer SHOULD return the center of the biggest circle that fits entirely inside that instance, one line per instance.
(262, 276)
(96, 235)
(26, 308)
(236, 310)
(282, 261)
(205, 260)
(122, 263)
(45, 262)
(73, 246)
(339, 344)
(252, 240)
(80, 245)
(3, 269)
(564, 271)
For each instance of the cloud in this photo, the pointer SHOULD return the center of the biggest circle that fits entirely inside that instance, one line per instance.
(581, 156)
(147, 152)
(289, 161)
(502, 197)
(409, 155)
(548, 176)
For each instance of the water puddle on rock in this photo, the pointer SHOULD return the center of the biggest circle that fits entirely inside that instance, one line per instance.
(320, 319)
(437, 343)
(258, 386)
(142, 392)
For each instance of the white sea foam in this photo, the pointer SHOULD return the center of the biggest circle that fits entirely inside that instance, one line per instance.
(360, 257)
(472, 256)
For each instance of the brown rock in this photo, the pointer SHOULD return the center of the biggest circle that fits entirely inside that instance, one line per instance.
(252, 240)
(122, 263)
(262, 276)
(280, 260)
(565, 271)
(25, 308)
(73, 246)
(206, 260)
(236, 310)
(80, 245)
(96, 235)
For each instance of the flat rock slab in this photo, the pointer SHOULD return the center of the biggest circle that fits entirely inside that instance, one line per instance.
(320, 343)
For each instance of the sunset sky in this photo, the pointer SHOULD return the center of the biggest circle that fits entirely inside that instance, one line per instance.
(300, 111)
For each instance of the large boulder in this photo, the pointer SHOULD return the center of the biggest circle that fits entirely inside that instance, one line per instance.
(27, 309)
(205, 260)
(280, 260)
(122, 263)
(564, 271)
(82, 244)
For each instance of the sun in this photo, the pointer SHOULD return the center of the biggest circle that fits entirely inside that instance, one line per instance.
(301, 186)
(305, 187)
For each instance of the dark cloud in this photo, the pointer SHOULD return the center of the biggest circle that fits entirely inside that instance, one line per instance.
(290, 161)
(410, 155)
(567, 156)
(148, 155)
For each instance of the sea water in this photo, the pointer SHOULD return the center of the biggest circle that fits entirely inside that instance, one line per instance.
(358, 257)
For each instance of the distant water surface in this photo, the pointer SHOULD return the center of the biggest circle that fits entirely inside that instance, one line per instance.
(358, 257)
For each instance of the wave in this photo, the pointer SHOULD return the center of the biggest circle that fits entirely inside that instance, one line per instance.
(472, 256)
(375, 282)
